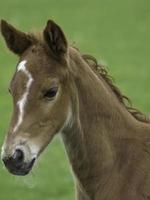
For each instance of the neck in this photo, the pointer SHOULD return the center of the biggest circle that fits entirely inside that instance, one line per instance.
(90, 142)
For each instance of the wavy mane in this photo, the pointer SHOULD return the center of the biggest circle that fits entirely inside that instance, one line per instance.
(101, 71)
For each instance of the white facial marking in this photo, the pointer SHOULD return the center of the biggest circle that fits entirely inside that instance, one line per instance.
(21, 103)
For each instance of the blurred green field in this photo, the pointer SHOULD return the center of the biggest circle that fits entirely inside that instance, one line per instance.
(114, 31)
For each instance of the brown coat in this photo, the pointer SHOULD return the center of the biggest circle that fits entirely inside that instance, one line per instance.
(107, 142)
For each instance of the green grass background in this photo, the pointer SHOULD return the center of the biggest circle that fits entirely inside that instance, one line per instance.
(114, 31)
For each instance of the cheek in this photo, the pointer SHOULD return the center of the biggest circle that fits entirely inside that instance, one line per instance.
(58, 111)
(48, 117)
(57, 114)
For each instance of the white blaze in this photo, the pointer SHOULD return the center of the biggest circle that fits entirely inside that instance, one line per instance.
(21, 103)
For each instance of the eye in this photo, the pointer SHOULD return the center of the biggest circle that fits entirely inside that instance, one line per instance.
(51, 93)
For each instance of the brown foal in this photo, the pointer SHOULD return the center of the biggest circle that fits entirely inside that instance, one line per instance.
(57, 90)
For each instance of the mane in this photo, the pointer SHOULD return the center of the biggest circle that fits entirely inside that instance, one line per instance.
(101, 71)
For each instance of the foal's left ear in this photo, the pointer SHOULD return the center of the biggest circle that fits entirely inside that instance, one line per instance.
(16, 40)
(55, 39)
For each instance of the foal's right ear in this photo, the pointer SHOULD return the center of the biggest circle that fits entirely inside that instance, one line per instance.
(16, 40)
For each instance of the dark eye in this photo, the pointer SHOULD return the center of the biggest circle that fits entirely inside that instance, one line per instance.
(51, 93)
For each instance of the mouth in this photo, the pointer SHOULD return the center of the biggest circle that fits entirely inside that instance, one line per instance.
(20, 170)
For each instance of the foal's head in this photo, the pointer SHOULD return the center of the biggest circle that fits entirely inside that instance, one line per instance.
(40, 92)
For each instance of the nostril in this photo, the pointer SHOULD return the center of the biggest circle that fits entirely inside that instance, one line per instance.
(18, 156)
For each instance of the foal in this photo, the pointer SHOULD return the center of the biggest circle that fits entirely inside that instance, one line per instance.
(56, 90)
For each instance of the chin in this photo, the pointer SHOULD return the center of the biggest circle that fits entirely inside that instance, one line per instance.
(21, 170)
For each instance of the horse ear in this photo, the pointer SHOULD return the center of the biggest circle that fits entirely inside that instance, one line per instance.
(55, 39)
(16, 40)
